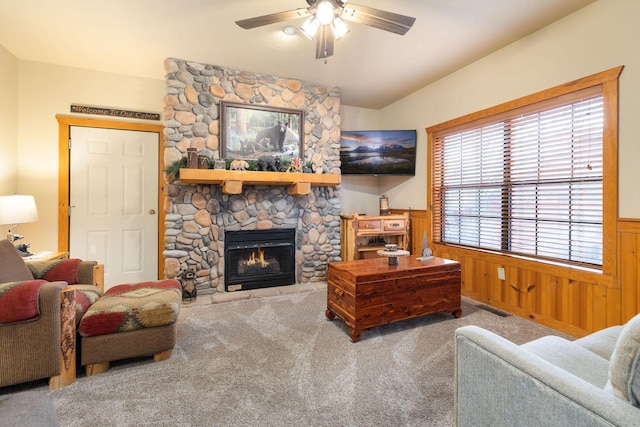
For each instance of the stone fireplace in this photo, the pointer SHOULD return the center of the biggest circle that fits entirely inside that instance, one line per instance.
(200, 218)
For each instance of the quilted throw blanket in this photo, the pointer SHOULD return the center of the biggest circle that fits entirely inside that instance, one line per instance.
(19, 301)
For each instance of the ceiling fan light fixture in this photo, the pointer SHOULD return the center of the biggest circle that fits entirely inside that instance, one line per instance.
(310, 27)
(339, 28)
(325, 21)
(325, 12)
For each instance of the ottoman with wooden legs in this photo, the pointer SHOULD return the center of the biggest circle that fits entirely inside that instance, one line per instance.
(130, 321)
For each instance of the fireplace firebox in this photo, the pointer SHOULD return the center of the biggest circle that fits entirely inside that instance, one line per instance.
(259, 259)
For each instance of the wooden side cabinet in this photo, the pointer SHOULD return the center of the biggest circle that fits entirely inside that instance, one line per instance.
(363, 235)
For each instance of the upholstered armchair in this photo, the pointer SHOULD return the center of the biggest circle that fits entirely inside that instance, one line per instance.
(38, 315)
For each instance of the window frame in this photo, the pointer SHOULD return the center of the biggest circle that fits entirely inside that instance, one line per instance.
(608, 81)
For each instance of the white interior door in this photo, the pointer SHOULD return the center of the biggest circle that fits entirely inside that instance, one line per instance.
(113, 200)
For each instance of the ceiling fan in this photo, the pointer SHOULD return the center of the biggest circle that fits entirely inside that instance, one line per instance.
(326, 21)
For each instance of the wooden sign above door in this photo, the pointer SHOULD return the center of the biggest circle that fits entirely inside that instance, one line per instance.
(113, 112)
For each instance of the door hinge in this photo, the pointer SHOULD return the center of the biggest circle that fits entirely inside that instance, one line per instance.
(69, 143)
(69, 211)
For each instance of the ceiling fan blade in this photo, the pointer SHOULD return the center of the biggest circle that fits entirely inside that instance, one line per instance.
(339, 3)
(377, 18)
(324, 42)
(272, 18)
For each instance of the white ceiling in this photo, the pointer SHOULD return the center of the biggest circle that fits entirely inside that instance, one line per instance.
(373, 68)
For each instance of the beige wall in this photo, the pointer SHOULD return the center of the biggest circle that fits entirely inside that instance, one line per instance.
(8, 123)
(600, 36)
(46, 90)
(360, 193)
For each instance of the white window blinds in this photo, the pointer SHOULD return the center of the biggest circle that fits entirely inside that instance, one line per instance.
(527, 182)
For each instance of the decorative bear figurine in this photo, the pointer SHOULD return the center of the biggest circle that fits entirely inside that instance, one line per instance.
(269, 163)
(239, 165)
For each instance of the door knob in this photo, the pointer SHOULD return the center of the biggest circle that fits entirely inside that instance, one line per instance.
(152, 212)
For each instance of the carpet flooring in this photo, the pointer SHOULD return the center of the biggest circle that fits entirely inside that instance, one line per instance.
(277, 361)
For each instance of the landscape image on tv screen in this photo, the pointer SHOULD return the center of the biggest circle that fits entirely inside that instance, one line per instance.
(379, 152)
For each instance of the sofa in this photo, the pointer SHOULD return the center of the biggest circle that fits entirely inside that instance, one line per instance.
(551, 381)
(38, 310)
(37, 339)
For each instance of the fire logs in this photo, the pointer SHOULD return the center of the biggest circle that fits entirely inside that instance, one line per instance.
(257, 264)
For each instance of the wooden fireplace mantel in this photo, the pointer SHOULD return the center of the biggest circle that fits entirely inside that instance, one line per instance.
(232, 181)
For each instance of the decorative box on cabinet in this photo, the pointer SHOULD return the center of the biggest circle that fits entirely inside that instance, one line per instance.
(363, 235)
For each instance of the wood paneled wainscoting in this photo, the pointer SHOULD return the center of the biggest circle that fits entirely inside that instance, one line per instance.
(571, 300)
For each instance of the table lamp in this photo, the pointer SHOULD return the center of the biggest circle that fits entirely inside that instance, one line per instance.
(17, 209)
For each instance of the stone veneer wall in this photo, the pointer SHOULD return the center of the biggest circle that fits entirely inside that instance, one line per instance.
(197, 216)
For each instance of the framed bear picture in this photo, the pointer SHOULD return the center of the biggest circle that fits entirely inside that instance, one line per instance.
(249, 131)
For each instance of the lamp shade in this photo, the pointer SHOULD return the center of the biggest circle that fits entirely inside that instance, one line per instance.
(17, 209)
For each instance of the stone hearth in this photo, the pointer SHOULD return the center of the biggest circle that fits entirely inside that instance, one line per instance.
(198, 215)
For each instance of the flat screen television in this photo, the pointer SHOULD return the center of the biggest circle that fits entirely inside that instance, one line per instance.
(378, 152)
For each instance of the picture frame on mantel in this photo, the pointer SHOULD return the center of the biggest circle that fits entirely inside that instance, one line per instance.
(249, 131)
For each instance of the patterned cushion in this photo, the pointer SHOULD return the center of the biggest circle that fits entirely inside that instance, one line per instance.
(19, 301)
(68, 270)
(65, 270)
(130, 307)
(86, 295)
